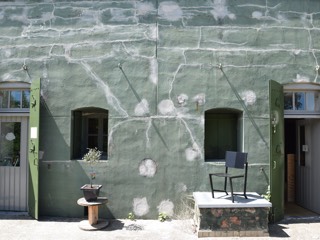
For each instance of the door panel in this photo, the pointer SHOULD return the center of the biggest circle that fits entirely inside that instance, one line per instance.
(33, 193)
(13, 163)
(276, 102)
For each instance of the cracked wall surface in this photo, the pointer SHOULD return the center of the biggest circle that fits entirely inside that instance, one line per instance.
(153, 66)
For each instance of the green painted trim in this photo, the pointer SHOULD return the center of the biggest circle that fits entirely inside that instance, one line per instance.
(33, 154)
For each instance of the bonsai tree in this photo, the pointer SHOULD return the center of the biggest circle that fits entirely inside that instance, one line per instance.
(92, 157)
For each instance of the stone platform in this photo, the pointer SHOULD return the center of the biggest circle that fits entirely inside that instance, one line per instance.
(220, 217)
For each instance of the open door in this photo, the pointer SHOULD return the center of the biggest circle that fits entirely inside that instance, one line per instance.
(276, 149)
(33, 155)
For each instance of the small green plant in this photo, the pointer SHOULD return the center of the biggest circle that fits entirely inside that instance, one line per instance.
(267, 195)
(162, 217)
(92, 157)
(131, 216)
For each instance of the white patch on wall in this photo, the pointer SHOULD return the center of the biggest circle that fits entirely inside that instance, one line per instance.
(48, 16)
(193, 152)
(142, 108)
(182, 99)
(166, 207)
(181, 187)
(147, 168)
(300, 78)
(144, 8)
(170, 11)
(220, 10)
(7, 53)
(200, 99)
(249, 97)
(257, 15)
(140, 206)
(153, 71)
(166, 107)
(296, 52)
(118, 15)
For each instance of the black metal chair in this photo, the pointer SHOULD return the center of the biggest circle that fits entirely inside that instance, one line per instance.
(236, 160)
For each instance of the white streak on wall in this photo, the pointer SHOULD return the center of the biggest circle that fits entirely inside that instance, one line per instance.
(111, 99)
(140, 206)
(153, 71)
(166, 207)
(170, 10)
(147, 168)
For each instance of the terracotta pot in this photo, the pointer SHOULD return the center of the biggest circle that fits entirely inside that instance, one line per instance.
(91, 193)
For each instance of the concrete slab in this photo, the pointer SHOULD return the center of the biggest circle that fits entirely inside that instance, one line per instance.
(221, 200)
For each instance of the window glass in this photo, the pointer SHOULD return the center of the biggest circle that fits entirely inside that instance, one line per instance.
(310, 101)
(25, 99)
(93, 125)
(15, 99)
(299, 101)
(10, 144)
(93, 142)
(4, 97)
(288, 101)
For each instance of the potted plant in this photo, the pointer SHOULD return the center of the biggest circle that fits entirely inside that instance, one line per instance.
(91, 191)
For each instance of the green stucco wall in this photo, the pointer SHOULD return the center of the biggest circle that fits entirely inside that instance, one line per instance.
(153, 66)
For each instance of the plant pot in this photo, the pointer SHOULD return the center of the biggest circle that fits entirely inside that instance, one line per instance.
(91, 193)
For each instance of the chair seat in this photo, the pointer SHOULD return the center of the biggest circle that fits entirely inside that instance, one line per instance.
(227, 175)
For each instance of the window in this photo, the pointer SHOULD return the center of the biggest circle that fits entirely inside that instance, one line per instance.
(90, 130)
(222, 132)
(14, 100)
(301, 101)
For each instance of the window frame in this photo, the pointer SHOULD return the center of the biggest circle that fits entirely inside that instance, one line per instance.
(305, 88)
(80, 131)
(12, 86)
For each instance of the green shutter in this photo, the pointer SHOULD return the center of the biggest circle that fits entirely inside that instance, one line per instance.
(276, 149)
(33, 156)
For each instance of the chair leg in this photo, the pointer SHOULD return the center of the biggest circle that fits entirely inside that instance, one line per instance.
(212, 191)
(231, 188)
(225, 185)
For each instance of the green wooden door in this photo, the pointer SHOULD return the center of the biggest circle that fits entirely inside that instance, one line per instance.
(276, 149)
(33, 196)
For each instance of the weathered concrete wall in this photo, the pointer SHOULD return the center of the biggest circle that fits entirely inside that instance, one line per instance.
(153, 65)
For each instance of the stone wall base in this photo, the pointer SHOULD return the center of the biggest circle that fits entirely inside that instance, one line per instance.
(209, 233)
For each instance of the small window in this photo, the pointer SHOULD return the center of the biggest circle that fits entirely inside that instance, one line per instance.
(90, 130)
(222, 132)
(16, 99)
(301, 101)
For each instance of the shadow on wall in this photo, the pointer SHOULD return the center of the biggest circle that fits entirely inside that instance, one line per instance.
(52, 142)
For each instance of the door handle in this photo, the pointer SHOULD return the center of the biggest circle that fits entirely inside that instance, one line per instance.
(274, 164)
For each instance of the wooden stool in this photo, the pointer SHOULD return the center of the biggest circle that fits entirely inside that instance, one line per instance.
(93, 222)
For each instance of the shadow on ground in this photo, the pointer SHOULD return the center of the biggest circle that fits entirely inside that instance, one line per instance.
(278, 229)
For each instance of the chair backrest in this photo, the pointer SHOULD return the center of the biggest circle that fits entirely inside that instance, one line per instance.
(236, 159)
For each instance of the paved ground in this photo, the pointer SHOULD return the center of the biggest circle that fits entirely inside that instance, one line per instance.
(24, 228)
